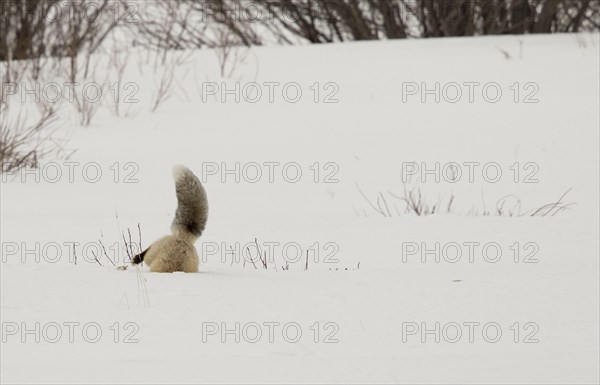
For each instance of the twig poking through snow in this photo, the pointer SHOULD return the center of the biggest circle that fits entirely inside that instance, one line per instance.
(105, 254)
(140, 234)
(306, 265)
(251, 260)
(94, 254)
(126, 248)
(142, 289)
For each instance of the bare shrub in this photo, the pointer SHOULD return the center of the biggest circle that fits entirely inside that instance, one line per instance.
(414, 202)
(230, 52)
(180, 24)
(78, 71)
(29, 30)
(118, 61)
(23, 144)
(163, 88)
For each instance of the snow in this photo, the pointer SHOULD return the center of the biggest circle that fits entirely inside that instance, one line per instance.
(365, 286)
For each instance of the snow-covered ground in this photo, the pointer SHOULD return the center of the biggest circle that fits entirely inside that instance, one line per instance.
(463, 296)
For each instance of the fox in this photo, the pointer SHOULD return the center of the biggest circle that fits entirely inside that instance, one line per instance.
(176, 252)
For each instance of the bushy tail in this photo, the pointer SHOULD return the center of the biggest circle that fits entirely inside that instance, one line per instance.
(192, 205)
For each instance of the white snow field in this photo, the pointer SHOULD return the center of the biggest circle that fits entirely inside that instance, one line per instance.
(464, 295)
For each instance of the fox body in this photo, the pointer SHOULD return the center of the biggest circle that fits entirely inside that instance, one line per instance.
(176, 252)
